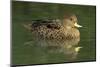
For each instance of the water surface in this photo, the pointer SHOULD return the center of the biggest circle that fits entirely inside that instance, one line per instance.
(25, 50)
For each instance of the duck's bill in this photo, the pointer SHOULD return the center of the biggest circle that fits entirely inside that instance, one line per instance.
(77, 25)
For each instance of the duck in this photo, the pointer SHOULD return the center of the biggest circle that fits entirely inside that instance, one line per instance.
(65, 28)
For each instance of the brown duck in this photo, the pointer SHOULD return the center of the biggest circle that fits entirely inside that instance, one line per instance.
(59, 29)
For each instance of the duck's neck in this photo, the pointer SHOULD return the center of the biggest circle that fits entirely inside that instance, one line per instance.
(67, 27)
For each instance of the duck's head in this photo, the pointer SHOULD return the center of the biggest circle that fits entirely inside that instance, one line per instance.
(70, 21)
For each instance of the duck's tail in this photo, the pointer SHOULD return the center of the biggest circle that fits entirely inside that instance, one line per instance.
(28, 26)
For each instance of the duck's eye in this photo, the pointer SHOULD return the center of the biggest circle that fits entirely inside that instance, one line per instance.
(71, 19)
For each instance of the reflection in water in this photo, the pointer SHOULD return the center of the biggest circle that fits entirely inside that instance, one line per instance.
(69, 48)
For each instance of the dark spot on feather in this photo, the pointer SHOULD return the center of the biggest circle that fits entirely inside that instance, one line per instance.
(53, 26)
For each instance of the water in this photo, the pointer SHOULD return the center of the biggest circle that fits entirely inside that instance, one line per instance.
(26, 49)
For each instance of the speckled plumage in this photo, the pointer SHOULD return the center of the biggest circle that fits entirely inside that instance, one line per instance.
(56, 28)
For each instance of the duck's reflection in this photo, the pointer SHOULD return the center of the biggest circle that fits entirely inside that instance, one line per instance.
(69, 48)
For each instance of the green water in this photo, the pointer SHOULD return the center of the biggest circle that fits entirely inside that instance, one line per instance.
(24, 12)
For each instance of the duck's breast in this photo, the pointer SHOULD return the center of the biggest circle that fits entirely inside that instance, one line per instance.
(72, 33)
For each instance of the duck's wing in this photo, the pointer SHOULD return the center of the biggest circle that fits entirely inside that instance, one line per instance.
(53, 26)
(41, 21)
(49, 23)
(45, 21)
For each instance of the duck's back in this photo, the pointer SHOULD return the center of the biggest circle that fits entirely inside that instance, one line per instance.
(46, 29)
(52, 29)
